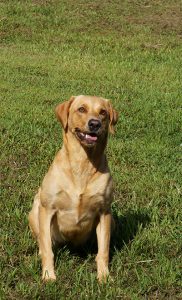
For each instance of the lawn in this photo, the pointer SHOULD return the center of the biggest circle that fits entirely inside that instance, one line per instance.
(126, 51)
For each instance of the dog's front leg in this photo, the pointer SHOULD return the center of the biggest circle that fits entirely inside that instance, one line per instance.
(103, 231)
(45, 243)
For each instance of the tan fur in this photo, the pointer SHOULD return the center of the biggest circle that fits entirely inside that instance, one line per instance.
(75, 196)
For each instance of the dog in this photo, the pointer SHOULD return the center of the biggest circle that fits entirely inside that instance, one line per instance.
(75, 197)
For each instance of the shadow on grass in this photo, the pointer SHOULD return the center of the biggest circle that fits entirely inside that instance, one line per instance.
(126, 229)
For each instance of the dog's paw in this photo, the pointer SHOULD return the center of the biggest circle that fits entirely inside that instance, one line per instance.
(103, 276)
(48, 276)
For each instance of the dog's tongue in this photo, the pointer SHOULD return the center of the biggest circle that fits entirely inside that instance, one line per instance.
(90, 138)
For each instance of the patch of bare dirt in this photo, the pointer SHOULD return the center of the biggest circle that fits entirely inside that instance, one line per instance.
(162, 21)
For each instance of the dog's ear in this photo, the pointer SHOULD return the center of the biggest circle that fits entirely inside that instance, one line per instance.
(113, 115)
(62, 112)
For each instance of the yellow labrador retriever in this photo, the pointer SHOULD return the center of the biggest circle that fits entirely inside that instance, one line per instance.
(75, 196)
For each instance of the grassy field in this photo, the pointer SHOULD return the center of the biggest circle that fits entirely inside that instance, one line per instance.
(131, 53)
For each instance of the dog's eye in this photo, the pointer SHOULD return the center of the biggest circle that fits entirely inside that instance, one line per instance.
(103, 112)
(82, 109)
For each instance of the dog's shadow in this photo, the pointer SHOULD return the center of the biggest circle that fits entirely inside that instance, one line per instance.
(127, 227)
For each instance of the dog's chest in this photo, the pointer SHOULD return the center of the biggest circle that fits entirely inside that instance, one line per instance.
(77, 208)
(77, 204)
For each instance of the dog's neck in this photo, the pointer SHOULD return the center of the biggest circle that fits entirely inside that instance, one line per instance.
(84, 161)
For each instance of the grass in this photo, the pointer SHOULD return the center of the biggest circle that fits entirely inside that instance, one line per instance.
(129, 52)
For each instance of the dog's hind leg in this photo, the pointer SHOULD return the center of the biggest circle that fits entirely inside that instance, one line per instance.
(33, 216)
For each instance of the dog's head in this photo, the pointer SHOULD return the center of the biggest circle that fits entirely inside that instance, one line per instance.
(89, 118)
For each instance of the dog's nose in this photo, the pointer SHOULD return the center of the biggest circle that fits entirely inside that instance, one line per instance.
(94, 125)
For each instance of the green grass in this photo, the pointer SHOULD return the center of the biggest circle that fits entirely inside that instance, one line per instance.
(129, 52)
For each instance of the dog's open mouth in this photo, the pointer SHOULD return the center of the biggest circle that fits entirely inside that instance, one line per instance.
(89, 138)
